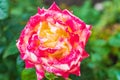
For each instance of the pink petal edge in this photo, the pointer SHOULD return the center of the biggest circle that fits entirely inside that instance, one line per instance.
(54, 7)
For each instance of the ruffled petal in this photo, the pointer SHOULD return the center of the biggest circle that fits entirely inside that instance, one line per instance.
(39, 71)
(28, 64)
(54, 7)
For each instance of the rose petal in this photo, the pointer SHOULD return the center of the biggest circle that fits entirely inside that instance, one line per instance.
(54, 7)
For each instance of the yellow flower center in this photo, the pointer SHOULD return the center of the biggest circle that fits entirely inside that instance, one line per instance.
(54, 36)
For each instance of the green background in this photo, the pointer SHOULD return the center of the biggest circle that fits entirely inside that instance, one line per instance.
(103, 45)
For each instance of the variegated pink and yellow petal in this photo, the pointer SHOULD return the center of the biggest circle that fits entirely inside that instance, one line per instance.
(69, 36)
(39, 71)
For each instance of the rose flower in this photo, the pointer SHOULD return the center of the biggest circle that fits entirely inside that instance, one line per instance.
(54, 40)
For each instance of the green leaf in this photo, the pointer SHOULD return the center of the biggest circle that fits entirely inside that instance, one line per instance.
(4, 6)
(118, 75)
(99, 42)
(113, 73)
(28, 74)
(96, 57)
(115, 40)
(4, 76)
(11, 49)
(101, 50)
(20, 65)
(50, 76)
(60, 78)
(1, 49)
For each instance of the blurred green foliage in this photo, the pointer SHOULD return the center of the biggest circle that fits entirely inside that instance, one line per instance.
(86, 12)
(4, 6)
(103, 45)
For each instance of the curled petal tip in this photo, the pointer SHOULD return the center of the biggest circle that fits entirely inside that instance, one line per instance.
(54, 7)
(40, 10)
(89, 27)
(65, 11)
(85, 54)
